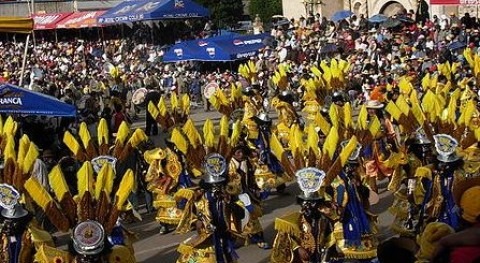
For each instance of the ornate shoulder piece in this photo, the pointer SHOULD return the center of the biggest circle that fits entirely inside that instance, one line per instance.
(289, 224)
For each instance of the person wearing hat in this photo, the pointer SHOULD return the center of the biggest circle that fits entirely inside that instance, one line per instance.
(355, 232)
(19, 235)
(287, 115)
(252, 107)
(208, 208)
(264, 155)
(305, 236)
(245, 191)
(166, 174)
(448, 171)
(151, 125)
(378, 149)
(411, 183)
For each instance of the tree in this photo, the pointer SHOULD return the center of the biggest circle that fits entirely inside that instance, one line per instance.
(265, 8)
(224, 13)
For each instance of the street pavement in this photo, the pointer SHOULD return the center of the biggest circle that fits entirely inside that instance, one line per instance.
(155, 248)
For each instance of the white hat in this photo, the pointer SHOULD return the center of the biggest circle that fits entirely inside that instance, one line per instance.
(374, 104)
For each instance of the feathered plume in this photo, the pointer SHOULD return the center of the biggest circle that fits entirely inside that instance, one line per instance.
(10, 126)
(103, 136)
(43, 199)
(123, 132)
(85, 179)
(62, 193)
(137, 138)
(29, 159)
(179, 140)
(331, 143)
(73, 145)
(126, 186)
(209, 134)
(84, 134)
(236, 133)
(23, 145)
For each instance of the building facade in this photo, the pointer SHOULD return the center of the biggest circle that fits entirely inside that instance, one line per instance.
(297, 8)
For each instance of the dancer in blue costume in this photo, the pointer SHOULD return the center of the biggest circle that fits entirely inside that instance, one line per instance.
(448, 171)
(355, 231)
(266, 161)
(208, 209)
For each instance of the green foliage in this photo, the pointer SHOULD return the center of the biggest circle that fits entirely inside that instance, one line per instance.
(265, 8)
(224, 13)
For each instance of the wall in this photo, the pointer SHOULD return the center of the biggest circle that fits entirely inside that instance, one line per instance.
(376, 6)
(293, 8)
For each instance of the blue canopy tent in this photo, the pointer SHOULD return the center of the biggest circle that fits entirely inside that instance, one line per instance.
(221, 48)
(16, 100)
(131, 11)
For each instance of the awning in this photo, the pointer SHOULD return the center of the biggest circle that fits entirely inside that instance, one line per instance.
(16, 24)
(81, 20)
(16, 100)
(48, 21)
(221, 48)
(130, 11)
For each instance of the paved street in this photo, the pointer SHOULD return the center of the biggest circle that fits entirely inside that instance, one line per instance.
(154, 248)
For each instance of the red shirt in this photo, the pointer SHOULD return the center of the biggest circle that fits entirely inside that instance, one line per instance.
(118, 118)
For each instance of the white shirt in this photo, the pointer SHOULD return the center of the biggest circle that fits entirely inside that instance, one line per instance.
(40, 173)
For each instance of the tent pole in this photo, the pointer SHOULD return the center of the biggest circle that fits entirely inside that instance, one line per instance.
(33, 37)
(24, 63)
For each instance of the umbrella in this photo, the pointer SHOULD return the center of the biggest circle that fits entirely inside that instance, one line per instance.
(456, 45)
(391, 23)
(377, 19)
(329, 48)
(340, 15)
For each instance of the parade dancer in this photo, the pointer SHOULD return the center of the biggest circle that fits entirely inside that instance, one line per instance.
(208, 210)
(383, 142)
(92, 216)
(416, 179)
(355, 229)
(19, 236)
(448, 172)
(166, 173)
(245, 191)
(306, 236)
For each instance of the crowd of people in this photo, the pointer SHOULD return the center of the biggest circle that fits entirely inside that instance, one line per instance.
(355, 102)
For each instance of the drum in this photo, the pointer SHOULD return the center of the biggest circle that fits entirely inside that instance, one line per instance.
(138, 97)
(210, 89)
